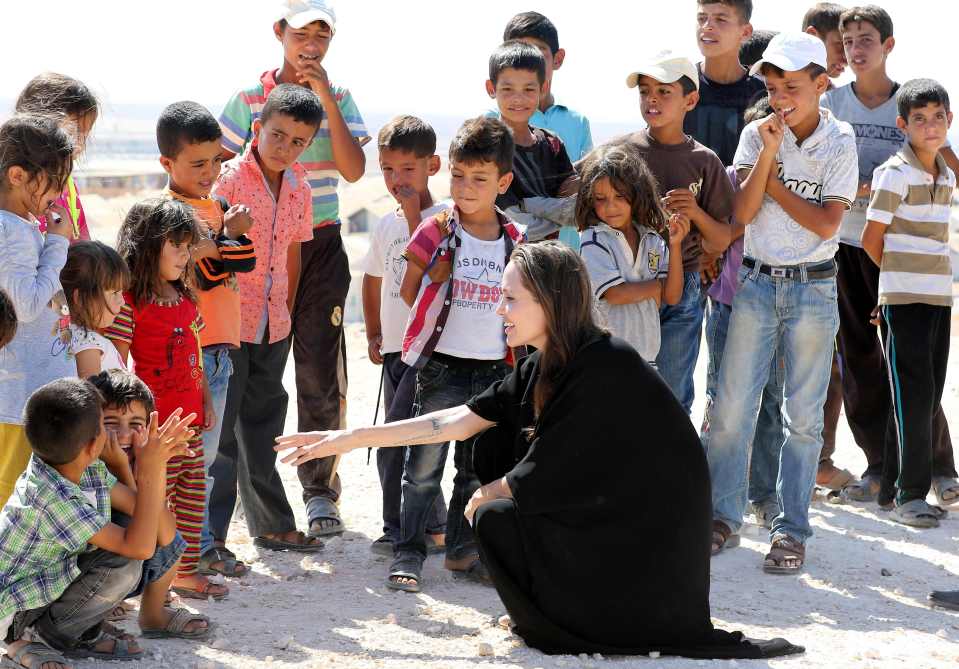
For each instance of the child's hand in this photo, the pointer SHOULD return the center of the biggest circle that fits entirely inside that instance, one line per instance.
(113, 454)
(771, 131)
(682, 201)
(373, 348)
(710, 267)
(165, 442)
(313, 74)
(237, 221)
(874, 316)
(865, 188)
(209, 416)
(409, 201)
(678, 229)
(58, 221)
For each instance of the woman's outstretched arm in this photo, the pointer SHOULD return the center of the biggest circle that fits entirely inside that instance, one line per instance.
(455, 424)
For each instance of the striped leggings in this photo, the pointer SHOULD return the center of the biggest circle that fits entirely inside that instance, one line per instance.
(186, 497)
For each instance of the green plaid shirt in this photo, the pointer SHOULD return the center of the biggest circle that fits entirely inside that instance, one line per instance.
(45, 524)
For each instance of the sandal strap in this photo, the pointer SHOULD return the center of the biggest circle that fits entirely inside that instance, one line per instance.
(181, 618)
(40, 651)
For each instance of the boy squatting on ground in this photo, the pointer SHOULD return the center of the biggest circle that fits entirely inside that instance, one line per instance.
(907, 236)
(305, 28)
(693, 182)
(407, 155)
(63, 564)
(798, 173)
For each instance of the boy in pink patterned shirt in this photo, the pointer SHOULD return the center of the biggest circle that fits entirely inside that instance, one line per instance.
(268, 179)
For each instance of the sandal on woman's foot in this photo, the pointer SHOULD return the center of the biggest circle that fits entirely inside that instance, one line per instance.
(723, 538)
(475, 571)
(35, 653)
(405, 574)
(917, 513)
(863, 490)
(231, 566)
(324, 517)
(206, 590)
(176, 627)
(303, 543)
(785, 556)
(120, 650)
(946, 490)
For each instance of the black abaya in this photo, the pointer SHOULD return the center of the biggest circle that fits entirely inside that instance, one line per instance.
(605, 546)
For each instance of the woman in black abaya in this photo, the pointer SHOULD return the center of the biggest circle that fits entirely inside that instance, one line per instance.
(578, 520)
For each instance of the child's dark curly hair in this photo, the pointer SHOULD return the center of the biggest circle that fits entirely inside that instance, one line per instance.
(39, 146)
(8, 319)
(628, 174)
(148, 226)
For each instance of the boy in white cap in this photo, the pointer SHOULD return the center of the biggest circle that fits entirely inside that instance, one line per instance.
(799, 173)
(305, 28)
(692, 181)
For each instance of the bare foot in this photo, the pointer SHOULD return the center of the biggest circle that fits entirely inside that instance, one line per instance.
(160, 622)
(30, 661)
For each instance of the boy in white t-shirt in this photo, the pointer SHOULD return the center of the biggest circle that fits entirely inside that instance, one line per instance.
(454, 338)
(407, 147)
(799, 173)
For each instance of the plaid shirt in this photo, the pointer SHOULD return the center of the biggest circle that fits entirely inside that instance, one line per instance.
(432, 248)
(45, 524)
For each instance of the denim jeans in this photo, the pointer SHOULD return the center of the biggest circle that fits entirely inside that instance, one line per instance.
(681, 327)
(768, 439)
(443, 383)
(218, 368)
(800, 319)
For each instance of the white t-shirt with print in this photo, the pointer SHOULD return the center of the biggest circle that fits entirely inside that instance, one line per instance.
(82, 339)
(473, 330)
(385, 260)
(825, 168)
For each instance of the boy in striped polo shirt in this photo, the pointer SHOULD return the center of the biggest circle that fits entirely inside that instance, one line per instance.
(907, 235)
(305, 29)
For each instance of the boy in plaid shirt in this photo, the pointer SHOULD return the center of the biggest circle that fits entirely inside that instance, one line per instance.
(64, 565)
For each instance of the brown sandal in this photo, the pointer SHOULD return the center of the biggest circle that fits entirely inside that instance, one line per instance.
(785, 556)
(723, 538)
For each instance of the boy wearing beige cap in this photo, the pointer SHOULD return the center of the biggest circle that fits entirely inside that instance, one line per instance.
(692, 181)
(799, 173)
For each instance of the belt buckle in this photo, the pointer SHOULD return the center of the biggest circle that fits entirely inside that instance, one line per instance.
(779, 272)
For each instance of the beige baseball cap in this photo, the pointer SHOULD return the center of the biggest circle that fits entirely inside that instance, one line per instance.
(665, 67)
(299, 13)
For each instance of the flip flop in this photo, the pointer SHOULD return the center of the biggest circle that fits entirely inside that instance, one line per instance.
(281, 545)
(946, 490)
(917, 513)
(385, 546)
(409, 567)
(40, 651)
(864, 490)
(176, 627)
(231, 565)
(320, 509)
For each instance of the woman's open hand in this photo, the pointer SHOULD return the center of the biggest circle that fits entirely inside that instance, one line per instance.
(306, 446)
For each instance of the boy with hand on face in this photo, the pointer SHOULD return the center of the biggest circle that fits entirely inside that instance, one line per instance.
(305, 29)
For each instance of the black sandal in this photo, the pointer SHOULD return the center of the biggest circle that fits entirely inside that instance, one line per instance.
(232, 567)
(409, 567)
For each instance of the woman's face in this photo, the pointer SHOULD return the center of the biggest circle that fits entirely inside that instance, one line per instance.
(523, 317)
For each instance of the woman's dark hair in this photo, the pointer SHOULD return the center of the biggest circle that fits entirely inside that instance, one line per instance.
(54, 94)
(557, 277)
(91, 268)
(148, 226)
(8, 319)
(629, 176)
(39, 146)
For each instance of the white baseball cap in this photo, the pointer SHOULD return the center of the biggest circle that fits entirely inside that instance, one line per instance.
(299, 13)
(791, 52)
(665, 67)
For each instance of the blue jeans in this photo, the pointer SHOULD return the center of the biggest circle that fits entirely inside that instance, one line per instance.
(443, 383)
(681, 327)
(800, 319)
(218, 368)
(769, 437)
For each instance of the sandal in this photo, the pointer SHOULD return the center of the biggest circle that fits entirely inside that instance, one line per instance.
(863, 490)
(176, 627)
(831, 477)
(320, 509)
(917, 513)
(41, 653)
(723, 538)
(945, 599)
(385, 546)
(232, 567)
(409, 567)
(946, 490)
(303, 544)
(785, 556)
(121, 649)
(475, 572)
(766, 512)
(203, 593)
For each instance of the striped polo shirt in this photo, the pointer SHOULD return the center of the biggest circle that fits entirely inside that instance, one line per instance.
(236, 121)
(915, 258)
